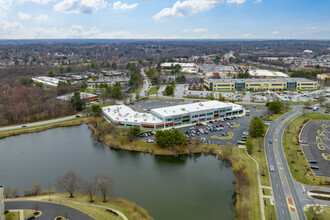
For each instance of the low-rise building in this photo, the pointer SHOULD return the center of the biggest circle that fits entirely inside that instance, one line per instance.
(267, 74)
(110, 82)
(323, 76)
(177, 115)
(267, 84)
(49, 81)
(85, 97)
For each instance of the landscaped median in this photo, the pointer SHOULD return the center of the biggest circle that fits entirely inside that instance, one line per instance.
(299, 166)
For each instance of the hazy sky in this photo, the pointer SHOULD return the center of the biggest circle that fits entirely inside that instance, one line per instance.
(169, 19)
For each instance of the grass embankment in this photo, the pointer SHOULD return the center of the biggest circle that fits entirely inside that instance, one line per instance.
(318, 213)
(247, 191)
(257, 151)
(81, 202)
(273, 117)
(13, 216)
(230, 135)
(295, 157)
(73, 122)
(153, 91)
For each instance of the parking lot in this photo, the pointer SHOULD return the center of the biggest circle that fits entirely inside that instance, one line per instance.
(216, 132)
(312, 136)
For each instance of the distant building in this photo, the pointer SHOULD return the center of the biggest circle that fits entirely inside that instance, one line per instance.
(177, 115)
(2, 204)
(267, 74)
(323, 76)
(267, 84)
(85, 97)
(48, 81)
(110, 82)
(183, 65)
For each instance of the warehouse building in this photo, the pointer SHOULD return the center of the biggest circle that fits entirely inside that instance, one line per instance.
(267, 84)
(178, 115)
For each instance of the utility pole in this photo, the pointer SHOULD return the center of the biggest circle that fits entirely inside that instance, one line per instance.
(2, 204)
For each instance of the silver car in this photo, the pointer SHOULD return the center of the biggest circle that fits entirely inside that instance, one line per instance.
(271, 168)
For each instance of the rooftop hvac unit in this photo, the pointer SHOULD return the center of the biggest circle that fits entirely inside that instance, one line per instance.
(201, 104)
(145, 119)
(135, 120)
(164, 110)
(126, 119)
(183, 109)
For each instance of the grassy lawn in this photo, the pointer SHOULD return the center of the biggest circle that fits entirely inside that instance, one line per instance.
(267, 192)
(12, 216)
(153, 91)
(293, 152)
(270, 211)
(273, 117)
(258, 153)
(326, 156)
(236, 125)
(138, 89)
(28, 213)
(230, 135)
(80, 202)
(323, 215)
(259, 110)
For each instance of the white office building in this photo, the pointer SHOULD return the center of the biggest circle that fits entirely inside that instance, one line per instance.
(177, 115)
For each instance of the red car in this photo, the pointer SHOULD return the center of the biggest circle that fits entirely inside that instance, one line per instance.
(282, 119)
(221, 125)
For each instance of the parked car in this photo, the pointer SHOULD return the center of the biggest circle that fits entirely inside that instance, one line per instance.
(150, 141)
(315, 167)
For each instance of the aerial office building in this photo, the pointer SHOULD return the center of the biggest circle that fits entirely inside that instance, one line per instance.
(267, 84)
(178, 115)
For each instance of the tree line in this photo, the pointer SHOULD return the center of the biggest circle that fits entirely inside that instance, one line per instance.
(70, 182)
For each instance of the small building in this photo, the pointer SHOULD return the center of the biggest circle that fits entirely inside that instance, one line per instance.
(85, 97)
(2, 204)
(172, 116)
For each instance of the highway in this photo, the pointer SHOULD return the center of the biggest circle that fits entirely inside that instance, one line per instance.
(289, 196)
(39, 123)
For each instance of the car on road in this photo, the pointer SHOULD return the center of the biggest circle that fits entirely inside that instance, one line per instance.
(270, 141)
(271, 168)
(24, 126)
(315, 167)
(282, 119)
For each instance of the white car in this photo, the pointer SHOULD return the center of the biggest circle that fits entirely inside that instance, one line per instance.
(271, 168)
(150, 141)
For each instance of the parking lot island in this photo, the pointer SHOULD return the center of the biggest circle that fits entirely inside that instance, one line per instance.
(178, 115)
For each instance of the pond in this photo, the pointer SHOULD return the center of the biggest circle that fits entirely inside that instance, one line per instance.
(186, 187)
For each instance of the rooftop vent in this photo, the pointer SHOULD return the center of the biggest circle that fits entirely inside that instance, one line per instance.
(201, 104)
(183, 109)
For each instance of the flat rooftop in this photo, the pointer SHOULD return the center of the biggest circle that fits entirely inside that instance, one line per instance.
(124, 113)
(83, 95)
(193, 107)
(270, 80)
(260, 73)
(47, 80)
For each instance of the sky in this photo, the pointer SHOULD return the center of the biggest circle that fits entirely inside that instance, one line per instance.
(165, 19)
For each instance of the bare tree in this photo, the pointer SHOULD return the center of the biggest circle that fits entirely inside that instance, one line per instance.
(36, 189)
(105, 185)
(7, 192)
(69, 182)
(90, 189)
(14, 192)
